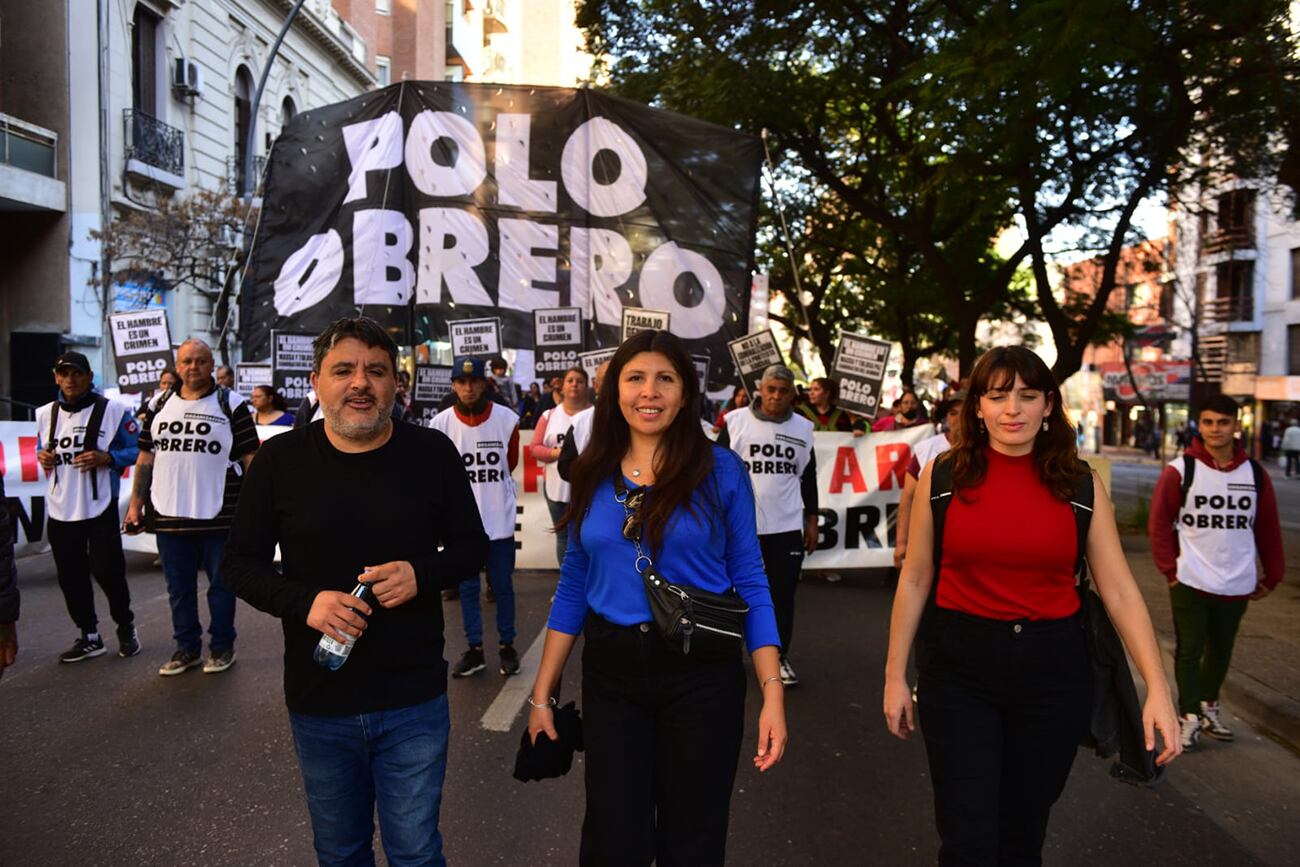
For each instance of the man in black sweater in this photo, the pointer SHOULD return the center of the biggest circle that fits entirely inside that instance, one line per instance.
(8, 588)
(360, 498)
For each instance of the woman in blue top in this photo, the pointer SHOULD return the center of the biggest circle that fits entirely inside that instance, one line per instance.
(662, 731)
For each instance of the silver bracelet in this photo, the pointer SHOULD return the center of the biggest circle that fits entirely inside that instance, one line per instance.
(550, 703)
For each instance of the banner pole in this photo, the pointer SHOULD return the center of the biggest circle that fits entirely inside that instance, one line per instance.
(785, 232)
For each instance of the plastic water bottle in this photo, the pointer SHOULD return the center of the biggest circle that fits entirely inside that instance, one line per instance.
(332, 654)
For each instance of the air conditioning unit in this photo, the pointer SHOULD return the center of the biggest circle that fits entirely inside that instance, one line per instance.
(187, 78)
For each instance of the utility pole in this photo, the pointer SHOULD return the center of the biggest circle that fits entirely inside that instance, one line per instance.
(246, 188)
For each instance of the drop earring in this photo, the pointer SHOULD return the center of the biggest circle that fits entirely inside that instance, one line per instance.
(983, 429)
(1044, 424)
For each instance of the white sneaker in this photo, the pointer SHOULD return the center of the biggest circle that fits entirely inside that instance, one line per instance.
(1212, 722)
(1191, 731)
(788, 677)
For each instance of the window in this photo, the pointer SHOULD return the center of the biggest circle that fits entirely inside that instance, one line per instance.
(1293, 350)
(1167, 295)
(243, 119)
(1237, 209)
(144, 61)
(1295, 273)
(383, 7)
(383, 70)
(287, 111)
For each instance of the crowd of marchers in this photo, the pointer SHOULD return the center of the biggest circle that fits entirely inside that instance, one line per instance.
(680, 556)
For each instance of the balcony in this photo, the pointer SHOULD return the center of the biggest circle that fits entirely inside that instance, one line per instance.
(1227, 240)
(154, 150)
(494, 17)
(1218, 314)
(29, 178)
(337, 36)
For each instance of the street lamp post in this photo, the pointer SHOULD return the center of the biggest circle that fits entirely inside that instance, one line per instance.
(246, 186)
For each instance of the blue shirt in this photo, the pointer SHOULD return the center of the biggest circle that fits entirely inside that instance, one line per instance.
(714, 551)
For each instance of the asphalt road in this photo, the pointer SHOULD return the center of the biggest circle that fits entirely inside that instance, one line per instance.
(106, 763)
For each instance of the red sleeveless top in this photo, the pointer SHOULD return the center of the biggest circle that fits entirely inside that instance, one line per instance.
(1009, 547)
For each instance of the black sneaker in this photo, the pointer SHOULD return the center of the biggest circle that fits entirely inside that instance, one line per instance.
(83, 648)
(181, 662)
(471, 663)
(218, 662)
(128, 643)
(509, 660)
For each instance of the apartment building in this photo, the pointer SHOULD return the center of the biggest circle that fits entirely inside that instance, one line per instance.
(111, 106)
(515, 42)
(1237, 255)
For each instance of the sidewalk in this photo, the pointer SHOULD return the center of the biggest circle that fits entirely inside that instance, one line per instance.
(1263, 685)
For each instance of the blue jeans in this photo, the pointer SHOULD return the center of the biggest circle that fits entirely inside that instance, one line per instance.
(182, 554)
(557, 511)
(500, 568)
(396, 759)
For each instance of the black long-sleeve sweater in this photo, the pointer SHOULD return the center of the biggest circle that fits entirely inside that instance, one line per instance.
(334, 513)
(8, 574)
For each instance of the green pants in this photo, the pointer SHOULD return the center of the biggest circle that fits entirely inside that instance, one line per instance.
(1206, 627)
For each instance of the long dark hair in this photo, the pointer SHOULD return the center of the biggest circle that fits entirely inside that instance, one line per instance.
(277, 400)
(1056, 453)
(684, 459)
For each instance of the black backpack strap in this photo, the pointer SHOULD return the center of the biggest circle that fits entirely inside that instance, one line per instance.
(90, 438)
(1189, 473)
(223, 400)
(1082, 503)
(940, 498)
(53, 437)
(1257, 470)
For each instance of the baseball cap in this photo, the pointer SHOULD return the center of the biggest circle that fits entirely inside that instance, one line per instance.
(467, 365)
(73, 359)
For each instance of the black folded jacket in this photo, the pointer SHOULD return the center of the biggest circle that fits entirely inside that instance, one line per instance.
(548, 758)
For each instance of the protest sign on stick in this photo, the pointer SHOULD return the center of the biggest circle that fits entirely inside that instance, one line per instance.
(640, 319)
(557, 340)
(250, 376)
(753, 354)
(478, 337)
(291, 365)
(142, 349)
(859, 366)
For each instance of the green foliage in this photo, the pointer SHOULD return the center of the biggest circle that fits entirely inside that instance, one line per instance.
(908, 135)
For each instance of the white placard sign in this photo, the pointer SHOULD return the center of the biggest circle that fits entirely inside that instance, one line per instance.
(478, 337)
(637, 319)
(142, 349)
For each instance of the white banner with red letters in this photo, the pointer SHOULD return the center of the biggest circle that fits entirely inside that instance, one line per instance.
(859, 482)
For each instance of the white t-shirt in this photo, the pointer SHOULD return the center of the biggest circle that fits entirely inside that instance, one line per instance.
(71, 495)
(776, 454)
(582, 428)
(930, 448)
(485, 450)
(191, 448)
(558, 426)
(1216, 530)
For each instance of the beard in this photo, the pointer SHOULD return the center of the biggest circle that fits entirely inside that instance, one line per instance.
(360, 429)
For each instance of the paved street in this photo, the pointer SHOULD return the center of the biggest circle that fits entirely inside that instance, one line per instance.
(107, 763)
(1128, 480)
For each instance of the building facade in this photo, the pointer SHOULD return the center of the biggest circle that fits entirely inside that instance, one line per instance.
(1237, 256)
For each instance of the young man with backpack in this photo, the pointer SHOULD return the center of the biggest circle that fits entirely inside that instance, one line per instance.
(85, 441)
(194, 443)
(1213, 512)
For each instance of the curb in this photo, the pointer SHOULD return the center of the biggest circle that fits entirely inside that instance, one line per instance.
(1273, 713)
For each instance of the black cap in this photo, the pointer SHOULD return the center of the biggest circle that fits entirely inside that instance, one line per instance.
(73, 359)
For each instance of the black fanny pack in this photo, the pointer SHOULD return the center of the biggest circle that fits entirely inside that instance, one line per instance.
(692, 622)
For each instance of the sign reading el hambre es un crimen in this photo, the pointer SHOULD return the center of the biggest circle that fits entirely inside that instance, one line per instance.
(477, 201)
(142, 349)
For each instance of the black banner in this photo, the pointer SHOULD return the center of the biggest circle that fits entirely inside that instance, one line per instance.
(427, 202)
(291, 365)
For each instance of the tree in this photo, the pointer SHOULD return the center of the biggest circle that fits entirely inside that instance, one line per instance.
(192, 242)
(938, 125)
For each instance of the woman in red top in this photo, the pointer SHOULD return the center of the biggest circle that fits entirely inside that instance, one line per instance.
(1004, 683)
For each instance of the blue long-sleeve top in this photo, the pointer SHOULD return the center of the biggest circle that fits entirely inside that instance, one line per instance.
(123, 448)
(715, 550)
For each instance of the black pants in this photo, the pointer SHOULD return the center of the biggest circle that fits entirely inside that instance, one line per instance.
(1003, 706)
(83, 548)
(782, 560)
(663, 737)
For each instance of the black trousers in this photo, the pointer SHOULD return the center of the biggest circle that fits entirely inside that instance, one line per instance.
(83, 548)
(782, 560)
(663, 736)
(1002, 706)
